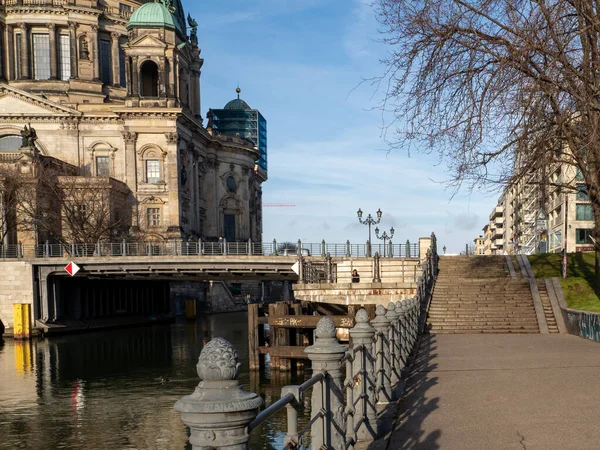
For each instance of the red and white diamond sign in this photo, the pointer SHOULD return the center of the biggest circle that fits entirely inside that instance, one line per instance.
(72, 268)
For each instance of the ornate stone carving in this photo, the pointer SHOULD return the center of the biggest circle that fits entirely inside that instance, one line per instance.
(172, 138)
(380, 310)
(115, 36)
(94, 28)
(51, 27)
(73, 25)
(218, 361)
(326, 328)
(130, 137)
(362, 316)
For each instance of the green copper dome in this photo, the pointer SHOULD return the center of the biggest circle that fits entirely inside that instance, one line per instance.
(158, 15)
(237, 104)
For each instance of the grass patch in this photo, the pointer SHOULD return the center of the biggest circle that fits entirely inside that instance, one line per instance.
(578, 287)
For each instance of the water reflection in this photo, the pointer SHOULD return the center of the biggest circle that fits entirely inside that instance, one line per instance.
(116, 389)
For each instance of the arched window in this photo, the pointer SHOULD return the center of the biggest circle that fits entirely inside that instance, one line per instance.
(10, 143)
(149, 79)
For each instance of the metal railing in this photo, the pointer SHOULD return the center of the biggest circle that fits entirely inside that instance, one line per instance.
(177, 247)
(349, 388)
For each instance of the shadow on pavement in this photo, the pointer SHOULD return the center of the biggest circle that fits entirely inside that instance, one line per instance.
(413, 407)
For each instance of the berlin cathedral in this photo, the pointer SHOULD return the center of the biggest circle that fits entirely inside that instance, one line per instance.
(107, 92)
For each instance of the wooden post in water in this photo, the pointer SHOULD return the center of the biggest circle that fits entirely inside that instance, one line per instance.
(273, 337)
(283, 336)
(296, 310)
(253, 342)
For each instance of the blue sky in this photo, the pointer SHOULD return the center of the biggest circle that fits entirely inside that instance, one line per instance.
(301, 62)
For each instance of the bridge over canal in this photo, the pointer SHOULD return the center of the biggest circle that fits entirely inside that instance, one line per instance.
(36, 274)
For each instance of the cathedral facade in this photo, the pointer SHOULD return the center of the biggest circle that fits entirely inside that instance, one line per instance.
(112, 90)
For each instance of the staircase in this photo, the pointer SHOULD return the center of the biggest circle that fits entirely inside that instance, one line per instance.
(476, 294)
(547, 306)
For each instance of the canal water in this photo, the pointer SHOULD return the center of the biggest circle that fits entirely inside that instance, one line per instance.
(116, 389)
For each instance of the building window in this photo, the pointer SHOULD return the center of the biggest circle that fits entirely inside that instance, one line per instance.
(10, 143)
(125, 8)
(153, 171)
(153, 216)
(41, 56)
(64, 70)
(582, 236)
(18, 44)
(231, 185)
(123, 81)
(584, 212)
(582, 193)
(105, 61)
(103, 166)
(579, 175)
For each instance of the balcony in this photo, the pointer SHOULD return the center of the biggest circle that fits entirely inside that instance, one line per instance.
(497, 211)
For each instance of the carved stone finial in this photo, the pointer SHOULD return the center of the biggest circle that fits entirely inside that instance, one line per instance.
(326, 328)
(391, 306)
(218, 361)
(362, 316)
(380, 310)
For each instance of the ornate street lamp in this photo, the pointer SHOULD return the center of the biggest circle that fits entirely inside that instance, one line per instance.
(385, 237)
(369, 220)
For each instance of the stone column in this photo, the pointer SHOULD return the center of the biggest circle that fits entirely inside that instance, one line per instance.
(95, 53)
(74, 52)
(382, 355)
(364, 390)
(130, 139)
(135, 76)
(25, 75)
(9, 52)
(219, 411)
(3, 52)
(326, 356)
(116, 61)
(53, 51)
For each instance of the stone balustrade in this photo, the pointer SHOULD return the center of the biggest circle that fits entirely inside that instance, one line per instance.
(350, 386)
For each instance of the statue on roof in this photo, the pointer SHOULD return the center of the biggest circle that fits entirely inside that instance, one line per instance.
(28, 137)
(194, 29)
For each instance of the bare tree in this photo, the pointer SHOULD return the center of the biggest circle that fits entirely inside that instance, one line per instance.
(49, 201)
(498, 88)
(9, 184)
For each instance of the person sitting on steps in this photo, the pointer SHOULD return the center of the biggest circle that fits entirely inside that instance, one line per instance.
(355, 276)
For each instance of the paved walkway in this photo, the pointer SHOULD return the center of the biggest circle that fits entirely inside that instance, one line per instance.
(501, 392)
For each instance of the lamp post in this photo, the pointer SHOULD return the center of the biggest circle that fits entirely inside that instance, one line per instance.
(369, 220)
(385, 237)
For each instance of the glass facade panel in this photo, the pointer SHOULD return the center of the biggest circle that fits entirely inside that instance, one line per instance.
(152, 171)
(579, 175)
(582, 193)
(64, 58)
(105, 61)
(582, 236)
(41, 56)
(103, 166)
(584, 212)
(18, 67)
(153, 217)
